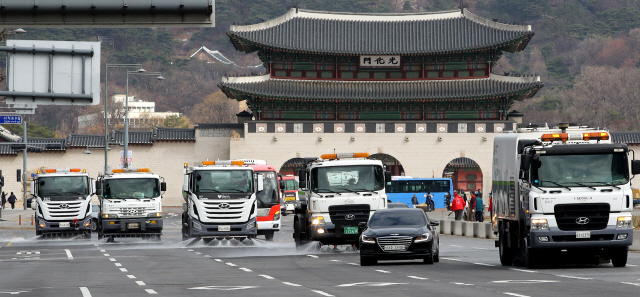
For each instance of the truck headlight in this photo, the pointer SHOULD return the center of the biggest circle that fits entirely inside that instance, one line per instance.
(87, 223)
(623, 222)
(276, 216)
(423, 237)
(317, 221)
(367, 239)
(251, 225)
(539, 224)
(155, 215)
(197, 226)
(42, 224)
(109, 216)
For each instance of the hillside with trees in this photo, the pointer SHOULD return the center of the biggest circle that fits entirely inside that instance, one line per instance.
(586, 51)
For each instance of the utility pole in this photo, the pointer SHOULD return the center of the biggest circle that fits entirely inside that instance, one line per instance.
(24, 165)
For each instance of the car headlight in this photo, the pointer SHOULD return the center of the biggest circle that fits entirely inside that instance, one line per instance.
(276, 216)
(109, 216)
(623, 222)
(368, 239)
(251, 225)
(317, 221)
(423, 237)
(539, 224)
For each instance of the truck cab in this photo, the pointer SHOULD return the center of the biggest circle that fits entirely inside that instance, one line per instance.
(130, 204)
(290, 193)
(220, 201)
(562, 189)
(62, 202)
(342, 191)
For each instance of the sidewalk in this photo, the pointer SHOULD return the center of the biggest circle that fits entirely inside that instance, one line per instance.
(17, 219)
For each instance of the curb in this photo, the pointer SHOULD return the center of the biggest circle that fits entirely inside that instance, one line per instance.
(17, 228)
(636, 241)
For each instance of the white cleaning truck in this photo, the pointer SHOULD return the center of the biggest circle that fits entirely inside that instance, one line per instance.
(62, 202)
(562, 191)
(130, 204)
(341, 190)
(220, 201)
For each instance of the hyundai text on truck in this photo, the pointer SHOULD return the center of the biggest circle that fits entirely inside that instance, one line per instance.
(341, 190)
(561, 190)
(220, 201)
(63, 202)
(130, 204)
(268, 199)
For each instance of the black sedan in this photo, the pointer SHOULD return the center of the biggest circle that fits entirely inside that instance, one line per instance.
(396, 234)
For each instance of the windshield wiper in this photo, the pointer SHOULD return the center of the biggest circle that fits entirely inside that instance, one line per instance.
(364, 190)
(209, 191)
(607, 184)
(264, 205)
(327, 191)
(77, 193)
(234, 190)
(557, 184)
(581, 184)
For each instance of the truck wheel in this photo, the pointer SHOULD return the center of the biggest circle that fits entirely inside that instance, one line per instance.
(619, 257)
(86, 235)
(297, 233)
(530, 256)
(38, 232)
(506, 254)
(269, 236)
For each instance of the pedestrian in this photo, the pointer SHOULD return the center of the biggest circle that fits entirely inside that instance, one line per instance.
(479, 209)
(414, 200)
(458, 206)
(472, 207)
(4, 199)
(447, 201)
(430, 204)
(12, 200)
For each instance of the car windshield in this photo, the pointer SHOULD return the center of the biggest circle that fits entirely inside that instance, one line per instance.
(63, 185)
(224, 181)
(339, 179)
(580, 170)
(136, 188)
(397, 218)
(269, 195)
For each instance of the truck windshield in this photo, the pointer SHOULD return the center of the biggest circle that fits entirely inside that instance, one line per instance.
(340, 179)
(63, 186)
(581, 170)
(136, 188)
(269, 196)
(223, 181)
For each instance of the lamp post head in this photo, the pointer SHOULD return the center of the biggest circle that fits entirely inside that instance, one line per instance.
(160, 77)
(141, 70)
(87, 151)
(19, 31)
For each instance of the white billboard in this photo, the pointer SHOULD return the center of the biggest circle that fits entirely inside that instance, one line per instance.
(44, 72)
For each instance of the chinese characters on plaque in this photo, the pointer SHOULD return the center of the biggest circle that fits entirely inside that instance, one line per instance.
(380, 61)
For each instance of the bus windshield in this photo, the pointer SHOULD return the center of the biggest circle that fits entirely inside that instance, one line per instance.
(223, 181)
(340, 179)
(269, 195)
(581, 170)
(63, 186)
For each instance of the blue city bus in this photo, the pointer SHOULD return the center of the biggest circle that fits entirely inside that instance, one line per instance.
(401, 189)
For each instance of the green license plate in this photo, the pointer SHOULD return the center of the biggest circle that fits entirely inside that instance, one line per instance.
(350, 230)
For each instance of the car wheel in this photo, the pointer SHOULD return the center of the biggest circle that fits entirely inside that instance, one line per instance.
(436, 257)
(429, 259)
(94, 225)
(366, 261)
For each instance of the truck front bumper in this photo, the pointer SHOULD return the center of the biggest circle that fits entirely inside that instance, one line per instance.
(210, 230)
(332, 234)
(53, 227)
(556, 238)
(132, 227)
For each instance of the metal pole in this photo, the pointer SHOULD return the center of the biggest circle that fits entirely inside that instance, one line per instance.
(106, 122)
(126, 124)
(24, 165)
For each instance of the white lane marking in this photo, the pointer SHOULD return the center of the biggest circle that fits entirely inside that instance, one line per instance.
(118, 264)
(104, 251)
(224, 288)
(369, 284)
(69, 255)
(485, 264)
(231, 264)
(336, 261)
(354, 264)
(218, 260)
(455, 245)
(198, 253)
(246, 269)
(85, 292)
(452, 259)
(313, 256)
(190, 250)
(514, 294)
(95, 244)
(112, 259)
(525, 281)
(291, 284)
(571, 276)
(462, 284)
(207, 256)
(266, 276)
(151, 291)
(632, 265)
(13, 292)
(485, 249)
(107, 255)
(140, 283)
(131, 276)
(322, 293)
(633, 284)
(123, 269)
(523, 270)
(417, 277)
(383, 271)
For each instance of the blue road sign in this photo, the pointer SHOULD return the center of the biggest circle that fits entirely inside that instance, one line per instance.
(33, 175)
(10, 119)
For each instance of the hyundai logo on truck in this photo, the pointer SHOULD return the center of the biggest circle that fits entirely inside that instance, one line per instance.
(350, 217)
(223, 205)
(582, 221)
(64, 205)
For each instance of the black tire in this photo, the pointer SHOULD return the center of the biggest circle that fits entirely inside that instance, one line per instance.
(366, 261)
(298, 237)
(269, 236)
(429, 259)
(283, 211)
(506, 254)
(38, 232)
(531, 259)
(619, 257)
(186, 230)
(436, 257)
(94, 225)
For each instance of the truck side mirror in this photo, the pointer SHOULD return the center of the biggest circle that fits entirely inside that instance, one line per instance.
(525, 161)
(282, 185)
(260, 182)
(635, 167)
(387, 176)
(302, 176)
(34, 204)
(33, 188)
(163, 186)
(185, 184)
(98, 186)
(99, 192)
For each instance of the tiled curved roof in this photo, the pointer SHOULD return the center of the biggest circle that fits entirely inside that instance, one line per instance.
(380, 34)
(495, 85)
(174, 134)
(625, 137)
(463, 162)
(84, 140)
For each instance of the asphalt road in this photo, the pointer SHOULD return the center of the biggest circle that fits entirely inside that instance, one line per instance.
(468, 267)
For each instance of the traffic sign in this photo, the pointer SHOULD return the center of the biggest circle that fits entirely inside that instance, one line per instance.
(10, 119)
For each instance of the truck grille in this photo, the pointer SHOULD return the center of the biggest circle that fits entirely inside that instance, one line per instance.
(395, 240)
(567, 216)
(349, 215)
(64, 210)
(230, 210)
(133, 211)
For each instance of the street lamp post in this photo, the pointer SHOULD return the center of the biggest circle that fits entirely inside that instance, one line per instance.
(126, 110)
(106, 121)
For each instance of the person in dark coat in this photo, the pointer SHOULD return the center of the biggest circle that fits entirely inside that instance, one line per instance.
(12, 200)
(4, 199)
(414, 200)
